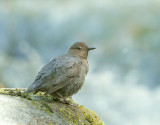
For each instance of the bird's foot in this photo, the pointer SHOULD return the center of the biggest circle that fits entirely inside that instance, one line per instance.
(68, 102)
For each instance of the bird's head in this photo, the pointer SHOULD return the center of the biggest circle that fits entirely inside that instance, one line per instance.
(80, 50)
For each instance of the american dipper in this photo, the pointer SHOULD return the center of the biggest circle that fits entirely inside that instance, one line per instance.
(63, 76)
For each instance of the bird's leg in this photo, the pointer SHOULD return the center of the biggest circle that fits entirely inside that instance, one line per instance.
(62, 97)
(64, 100)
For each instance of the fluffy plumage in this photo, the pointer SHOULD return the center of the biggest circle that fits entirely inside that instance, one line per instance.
(64, 75)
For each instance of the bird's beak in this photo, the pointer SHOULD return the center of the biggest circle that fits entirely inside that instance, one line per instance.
(91, 49)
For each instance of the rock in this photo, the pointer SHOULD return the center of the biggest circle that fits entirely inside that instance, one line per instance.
(17, 108)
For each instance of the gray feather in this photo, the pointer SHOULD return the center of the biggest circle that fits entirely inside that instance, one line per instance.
(58, 73)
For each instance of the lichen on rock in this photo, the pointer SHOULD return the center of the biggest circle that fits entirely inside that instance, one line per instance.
(19, 108)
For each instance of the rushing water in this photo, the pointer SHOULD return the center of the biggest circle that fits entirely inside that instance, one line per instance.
(122, 85)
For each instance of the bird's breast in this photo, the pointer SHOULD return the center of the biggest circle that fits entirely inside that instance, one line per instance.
(76, 82)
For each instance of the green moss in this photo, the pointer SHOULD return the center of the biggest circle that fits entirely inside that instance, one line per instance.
(82, 115)
(68, 115)
(41, 105)
(75, 115)
(78, 117)
(49, 109)
(14, 92)
(90, 116)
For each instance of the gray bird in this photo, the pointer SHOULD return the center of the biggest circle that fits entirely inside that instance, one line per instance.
(63, 76)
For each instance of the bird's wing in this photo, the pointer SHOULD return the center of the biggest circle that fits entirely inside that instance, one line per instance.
(56, 74)
(43, 75)
(65, 75)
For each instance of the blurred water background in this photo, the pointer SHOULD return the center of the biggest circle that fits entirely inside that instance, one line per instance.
(123, 84)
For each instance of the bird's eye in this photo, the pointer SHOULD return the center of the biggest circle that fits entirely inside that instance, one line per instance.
(79, 48)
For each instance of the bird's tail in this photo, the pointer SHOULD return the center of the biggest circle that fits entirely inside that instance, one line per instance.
(27, 91)
(32, 88)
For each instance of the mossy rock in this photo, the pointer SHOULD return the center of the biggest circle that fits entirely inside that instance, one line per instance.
(18, 108)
